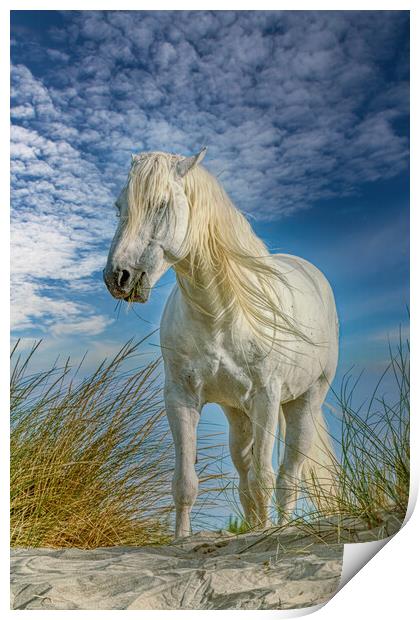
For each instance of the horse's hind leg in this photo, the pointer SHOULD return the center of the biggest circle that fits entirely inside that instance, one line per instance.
(183, 419)
(261, 480)
(240, 444)
(301, 417)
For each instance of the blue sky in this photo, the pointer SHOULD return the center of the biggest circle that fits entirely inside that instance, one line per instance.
(305, 115)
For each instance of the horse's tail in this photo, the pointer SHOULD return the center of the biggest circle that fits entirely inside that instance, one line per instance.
(321, 468)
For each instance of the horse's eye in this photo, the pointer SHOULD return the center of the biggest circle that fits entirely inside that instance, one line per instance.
(117, 210)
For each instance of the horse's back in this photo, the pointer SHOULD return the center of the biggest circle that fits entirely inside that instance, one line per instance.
(306, 277)
(291, 265)
(311, 296)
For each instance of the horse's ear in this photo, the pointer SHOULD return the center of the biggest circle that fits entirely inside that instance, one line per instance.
(186, 164)
(133, 158)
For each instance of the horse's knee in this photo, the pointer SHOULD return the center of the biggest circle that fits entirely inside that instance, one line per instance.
(185, 488)
(243, 468)
(293, 462)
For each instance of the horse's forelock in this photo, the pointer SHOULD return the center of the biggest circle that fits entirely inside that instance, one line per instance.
(148, 184)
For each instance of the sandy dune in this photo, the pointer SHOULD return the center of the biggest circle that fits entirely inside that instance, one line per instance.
(206, 571)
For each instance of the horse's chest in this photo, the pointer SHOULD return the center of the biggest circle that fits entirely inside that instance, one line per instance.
(218, 379)
(226, 382)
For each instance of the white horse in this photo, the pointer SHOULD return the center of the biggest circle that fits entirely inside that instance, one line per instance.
(255, 333)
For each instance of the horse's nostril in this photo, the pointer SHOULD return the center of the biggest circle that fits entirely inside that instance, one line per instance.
(123, 278)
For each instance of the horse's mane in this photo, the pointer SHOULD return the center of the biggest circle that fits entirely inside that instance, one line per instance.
(219, 242)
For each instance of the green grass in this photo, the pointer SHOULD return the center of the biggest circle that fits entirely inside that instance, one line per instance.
(236, 525)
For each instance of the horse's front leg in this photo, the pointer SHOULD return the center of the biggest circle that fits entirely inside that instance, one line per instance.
(183, 416)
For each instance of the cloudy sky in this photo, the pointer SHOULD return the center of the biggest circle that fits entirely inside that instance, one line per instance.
(305, 115)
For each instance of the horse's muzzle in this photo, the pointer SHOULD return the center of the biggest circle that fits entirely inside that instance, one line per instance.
(124, 285)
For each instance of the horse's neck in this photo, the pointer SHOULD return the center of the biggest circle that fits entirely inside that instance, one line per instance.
(206, 288)
(202, 294)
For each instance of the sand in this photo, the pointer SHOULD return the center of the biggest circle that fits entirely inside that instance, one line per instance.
(205, 571)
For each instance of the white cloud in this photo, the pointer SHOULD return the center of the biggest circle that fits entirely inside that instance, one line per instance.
(22, 111)
(246, 86)
(48, 310)
(92, 326)
(61, 217)
(294, 106)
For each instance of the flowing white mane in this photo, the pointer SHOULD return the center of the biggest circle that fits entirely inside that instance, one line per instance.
(241, 273)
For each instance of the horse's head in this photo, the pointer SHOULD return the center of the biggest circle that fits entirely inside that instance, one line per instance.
(153, 222)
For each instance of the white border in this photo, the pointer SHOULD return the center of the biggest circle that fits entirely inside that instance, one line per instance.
(387, 585)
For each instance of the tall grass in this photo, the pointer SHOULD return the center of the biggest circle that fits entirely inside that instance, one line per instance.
(90, 458)
(373, 464)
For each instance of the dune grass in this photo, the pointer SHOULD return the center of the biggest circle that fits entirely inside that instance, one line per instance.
(373, 464)
(91, 458)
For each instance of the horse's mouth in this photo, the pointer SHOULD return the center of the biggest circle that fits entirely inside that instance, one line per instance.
(140, 292)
